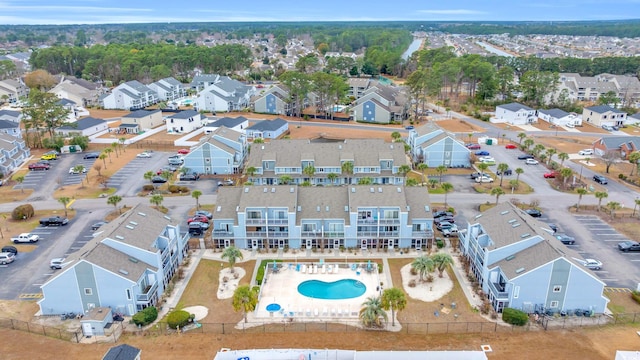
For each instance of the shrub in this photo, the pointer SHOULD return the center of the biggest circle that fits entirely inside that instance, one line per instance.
(414, 272)
(148, 187)
(174, 189)
(622, 176)
(429, 278)
(23, 212)
(412, 283)
(440, 243)
(184, 189)
(178, 318)
(145, 316)
(636, 296)
(515, 317)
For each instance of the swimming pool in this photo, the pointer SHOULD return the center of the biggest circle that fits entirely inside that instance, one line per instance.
(337, 290)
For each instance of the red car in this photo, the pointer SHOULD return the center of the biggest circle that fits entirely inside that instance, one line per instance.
(551, 175)
(473, 146)
(39, 166)
(200, 218)
(183, 151)
(511, 146)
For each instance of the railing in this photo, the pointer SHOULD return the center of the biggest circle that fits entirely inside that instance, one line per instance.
(221, 233)
(146, 297)
(259, 221)
(422, 234)
(251, 234)
(500, 295)
(389, 221)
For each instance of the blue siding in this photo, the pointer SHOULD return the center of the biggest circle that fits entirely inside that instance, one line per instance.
(271, 101)
(61, 295)
(369, 111)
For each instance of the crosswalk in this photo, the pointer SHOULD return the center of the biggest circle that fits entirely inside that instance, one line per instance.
(30, 296)
(617, 289)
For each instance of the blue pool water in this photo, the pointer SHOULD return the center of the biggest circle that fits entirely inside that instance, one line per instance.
(337, 290)
(273, 307)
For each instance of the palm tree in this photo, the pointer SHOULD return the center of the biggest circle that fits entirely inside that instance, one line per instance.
(566, 174)
(412, 182)
(497, 191)
(514, 185)
(527, 143)
(483, 167)
(563, 156)
(634, 159)
(539, 148)
(148, 175)
(423, 265)
(441, 261)
(446, 187)
(114, 200)
(635, 206)
(372, 314)
(285, 180)
(64, 201)
(114, 146)
(232, 254)
(432, 182)
(393, 299)
(245, 299)
(600, 195)
(521, 136)
(185, 170)
(309, 170)
(365, 181)
(613, 206)
(518, 172)
(332, 177)
(251, 171)
(347, 168)
(581, 192)
(103, 157)
(196, 195)
(258, 141)
(502, 167)
(156, 200)
(396, 136)
(441, 169)
(121, 141)
(422, 167)
(550, 153)
(19, 180)
(108, 151)
(404, 170)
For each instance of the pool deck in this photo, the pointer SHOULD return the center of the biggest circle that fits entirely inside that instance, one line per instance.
(282, 288)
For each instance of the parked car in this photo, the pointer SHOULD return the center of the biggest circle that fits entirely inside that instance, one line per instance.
(410, 127)
(444, 219)
(507, 172)
(553, 227)
(565, 239)
(46, 162)
(475, 175)
(600, 179)
(183, 151)
(227, 182)
(97, 225)
(511, 146)
(551, 174)
(439, 214)
(25, 238)
(531, 162)
(585, 152)
(473, 146)
(204, 213)
(57, 263)
(629, 246)
(488, 160)
(592, 264)
(484, 179)
(7, 258)
(10, 249)
(73, 171)
(445, 225)
(482, 152)
(91, 155)
(450, 232)
(534, 212)
(158, 180)
(200, 224)
(607, 127)
(189, 177)
(144, 155)
(54, 221)
(38, 166)
(199, 218)
(525, 157)
(570, 125)
(49, 156)
(175, 161)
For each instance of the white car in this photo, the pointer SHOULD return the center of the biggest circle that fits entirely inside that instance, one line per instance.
(144, 155)
(585, 152)
(75, 172)
(484, 179)
(531, 162)
(570, 125)
(592, 264)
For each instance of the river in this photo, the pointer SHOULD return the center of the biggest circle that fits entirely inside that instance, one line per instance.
(493, 49)
(415, 45)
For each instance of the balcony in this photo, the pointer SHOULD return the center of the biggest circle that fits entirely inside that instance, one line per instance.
(387, 221)
(498, 291)
(312, 234)
(221, 234)
(256, 234)
(258, 221)
(148, 294)
(422, 234)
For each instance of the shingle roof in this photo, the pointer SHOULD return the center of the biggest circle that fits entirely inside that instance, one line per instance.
(614, 142)
(228, 122)
(322, 203)
(122, 352)
(555, 113)
(185, 114)
(141, 113)
(515, 107)
(83, 124)
(269, 196)
(10, 113)
(8, 124)
(66, 102)
(268, 125)
(601, 109)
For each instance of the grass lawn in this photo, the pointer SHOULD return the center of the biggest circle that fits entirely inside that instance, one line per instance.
(622, 302)
(14, 227)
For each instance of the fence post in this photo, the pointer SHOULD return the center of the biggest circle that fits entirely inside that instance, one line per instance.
(223, 328)
(28, 328)
(44, 330)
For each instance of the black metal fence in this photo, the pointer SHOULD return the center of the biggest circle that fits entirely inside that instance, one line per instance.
(39, 329)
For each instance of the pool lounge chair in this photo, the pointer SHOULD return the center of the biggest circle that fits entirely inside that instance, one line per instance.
(333, 312)
(324, 269)
(303, 268)
(308, 312)
(324, 311)
(316, 312)
(335, 269)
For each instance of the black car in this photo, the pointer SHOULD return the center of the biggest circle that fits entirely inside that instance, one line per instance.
(54, 221)
(629, 246)
(506, 172)
(97, 225)
(525, 157)
(566, 239)
(439, 214)
(10, 249)
(189, 177)
(533, 212)
(91, 155)
(553, 227)
(600, 179)
(158, 180)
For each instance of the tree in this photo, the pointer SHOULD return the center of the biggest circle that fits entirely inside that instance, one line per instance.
(527, 143)
(232, 254)
(114, 146)
(441, 261)
(502, 167)
(497, 191)
(122, 140)
(411, 182)
(64, 201)
(20, 180)
(98, 168)
(115, 200)
(39, 80)
(103, 157)
(563, 156)
(404, 171)
(108, 151)
(422, 265)
(539, 148)
(600, 195)
(372, 314)
(514, 185)
(396, 136)
(365, 181)
(347, 168)
(285, 180)
(148, 175)
(196, 195)
(521, 136)
(535, 85)
(483, 167)
(610, 158)
(245, 299)
(581, 192)
(518, 172)
(258, 141)
(446, 187)
(309, 170)
(156, 200)
(566, 174)
(332, 177)
(432, 182)
(441, 169)
(613, 206)
(251, 171)
(635, 206)
(634, 159)
(609, 98)
(43, 112)
(393, 299)
(550, 153)
(422, 167)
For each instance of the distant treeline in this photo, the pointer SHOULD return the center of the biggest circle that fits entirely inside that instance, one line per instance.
(585, 67)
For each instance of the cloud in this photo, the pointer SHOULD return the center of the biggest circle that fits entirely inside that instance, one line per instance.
(453, 12)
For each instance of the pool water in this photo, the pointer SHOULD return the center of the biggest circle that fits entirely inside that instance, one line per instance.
(337, 290)
(273, 307)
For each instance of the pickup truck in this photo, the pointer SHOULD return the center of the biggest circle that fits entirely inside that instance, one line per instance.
(25, 238)
(54, 221)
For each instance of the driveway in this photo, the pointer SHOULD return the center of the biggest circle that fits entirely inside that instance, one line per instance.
(129, 179)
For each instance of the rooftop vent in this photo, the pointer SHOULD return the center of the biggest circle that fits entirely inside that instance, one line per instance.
(133, 260)
(129, 227)
(510, 257)
(512, 221)
(353, 189)
(299, 208)
(123, 272)
(515, 225)
(167, 217)
(265, 190)
(391, 146)
(246, 190)
(318, 208)
(525, 235)
(273, 190)
(133, 223)
(219, 208)
(291, 190)
(372, 190)
(519, 270)
(504, 212)
(379, 189)
(478, 216)
(142, 214)
(119, 237)
(346, 208)
(408, 208)
(399, 189)
(237, 208)
(326, 208)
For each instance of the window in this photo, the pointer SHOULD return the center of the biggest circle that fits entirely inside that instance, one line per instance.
(557, 288)
(553, 304)
(88, 291)
(516, 292)
(128, 294)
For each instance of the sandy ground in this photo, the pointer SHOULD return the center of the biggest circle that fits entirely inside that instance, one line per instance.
(226, 289)
(200, 312)
(433, 291)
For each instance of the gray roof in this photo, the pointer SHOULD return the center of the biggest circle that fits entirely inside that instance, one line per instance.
(185, 114)
(172, 81)
(10, 113)
(614, 142)
(83, 124)
(115, 261)
(228, 84)
(66, 102)
(226, 203)
(122, 352)
(138, 86)
(141, 113)
(555, 113)
(515, 107)
(441, 137)
(601, 109)
(322, 203)
(427, 128)
(635, 116)
(269, 196)
(129, 125)
(268, 125)
(359, 82)
(228, 122)
(376, 196)
(8, 124)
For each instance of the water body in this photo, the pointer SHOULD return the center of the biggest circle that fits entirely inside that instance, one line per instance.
(413, 47)
(494, 50)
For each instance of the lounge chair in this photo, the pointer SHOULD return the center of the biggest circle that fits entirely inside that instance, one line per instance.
(333, 312)
(335, 269)
(324, 269)
(324, 311)
(308, 312)
(303, 268)
(316, 312)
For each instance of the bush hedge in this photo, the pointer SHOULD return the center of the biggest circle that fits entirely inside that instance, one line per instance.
(178, 318)
(174, 189)
(260, 273)
(148, 187)
(515, 317)
(636, 296)
(23, 212)
(145, 316)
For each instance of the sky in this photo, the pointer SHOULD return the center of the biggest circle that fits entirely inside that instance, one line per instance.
(33, 12)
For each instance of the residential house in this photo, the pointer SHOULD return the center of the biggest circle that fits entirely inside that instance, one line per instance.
(519, 264)
(514, 114)
(268, 129)
(132, 95)
(10, 128)
(301, 161)
(168, 89)
(583, 88)
(141, 120)
(559, 117)
(604, 115)
(433, 146)
(222, 94)
(627, 88)
(185, 121)
(70, 107)
(84, 93)
(126, 266)
(624, 145)
(12, 90)
(239, 124)
(13, 152)
(357, 87)
(203, 81)
(332, 217)
(633, 119)
(380, 104)
(84, 127)
(123, 352)
(274, 100)
(96, 321)
(340, 354)
(11, 115)
(221, 152)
